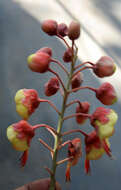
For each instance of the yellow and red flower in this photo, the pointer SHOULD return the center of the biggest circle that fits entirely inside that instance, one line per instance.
(20, 135)
(27, 101)
(74, 153)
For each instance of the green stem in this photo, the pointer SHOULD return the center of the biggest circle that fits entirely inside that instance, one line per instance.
(59, 128)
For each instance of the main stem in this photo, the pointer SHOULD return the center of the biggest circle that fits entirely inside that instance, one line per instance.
(60, 123)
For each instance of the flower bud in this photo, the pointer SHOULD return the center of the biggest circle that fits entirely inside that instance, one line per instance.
(104, 67)
(74, 151)
(39, 62)
(82, 108)
(74, 30)
(77, 80)
(50, 27)
(68, 55)
(45, 50)
(20, 135)
(103, 120)
(26, 102)
(62, 29)
(52, 86)
(106, 94)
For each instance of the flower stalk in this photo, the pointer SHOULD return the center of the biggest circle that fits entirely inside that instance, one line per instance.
(60, 123)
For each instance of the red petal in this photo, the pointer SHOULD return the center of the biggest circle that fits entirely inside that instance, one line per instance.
(87, 166)
(24, 158)
(68, 169)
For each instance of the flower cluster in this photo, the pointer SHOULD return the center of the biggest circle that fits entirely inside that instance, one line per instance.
(102, 120)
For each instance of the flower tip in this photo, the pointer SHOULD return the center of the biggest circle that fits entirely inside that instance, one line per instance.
(29, 58)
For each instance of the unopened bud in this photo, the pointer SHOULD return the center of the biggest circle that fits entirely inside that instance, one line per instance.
(74, 30)
(39, 62)
(52, 86)
(26, 102)
(106, 94)
(62, 29)
(50, 27)
(104, 67)
(82, 108)
(45, 50)
(68, 55)
(77, 80)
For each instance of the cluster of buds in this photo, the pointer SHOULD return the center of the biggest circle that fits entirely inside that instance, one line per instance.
(102, 119)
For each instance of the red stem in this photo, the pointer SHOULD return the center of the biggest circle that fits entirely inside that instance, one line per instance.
(86, 67)
(73, 102)
(84, 63)
(50, 103)
(83, 87)
(50, 129)
(57, 77)
(75, 131)
(55, 61)
(76, 114)
(63, 40)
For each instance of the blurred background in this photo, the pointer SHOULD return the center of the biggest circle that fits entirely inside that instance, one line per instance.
(21, 35)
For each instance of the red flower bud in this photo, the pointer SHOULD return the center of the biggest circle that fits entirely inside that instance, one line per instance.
(52, 86)
(104, 67)
(106, 94)
(82, 108)
(39, 62)
(68, 55)
(45, 50)
(77, 80)
(62, 29)
(74, 151)
(50, 27)
(74, 30)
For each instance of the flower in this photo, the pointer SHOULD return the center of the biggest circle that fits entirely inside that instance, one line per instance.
(52, 86)
(77, 80)
(20, 135)
(103, 120)
(104, 67)
(95, 148)
(74, 30)
(39, 62)
(106, 94)
(26, 102)
(82, 108)
(74, 153)
(50, 27)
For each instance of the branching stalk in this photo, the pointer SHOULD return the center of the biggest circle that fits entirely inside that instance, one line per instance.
(59, 128)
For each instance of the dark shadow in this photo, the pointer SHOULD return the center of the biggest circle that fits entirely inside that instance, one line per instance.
(21, 35)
